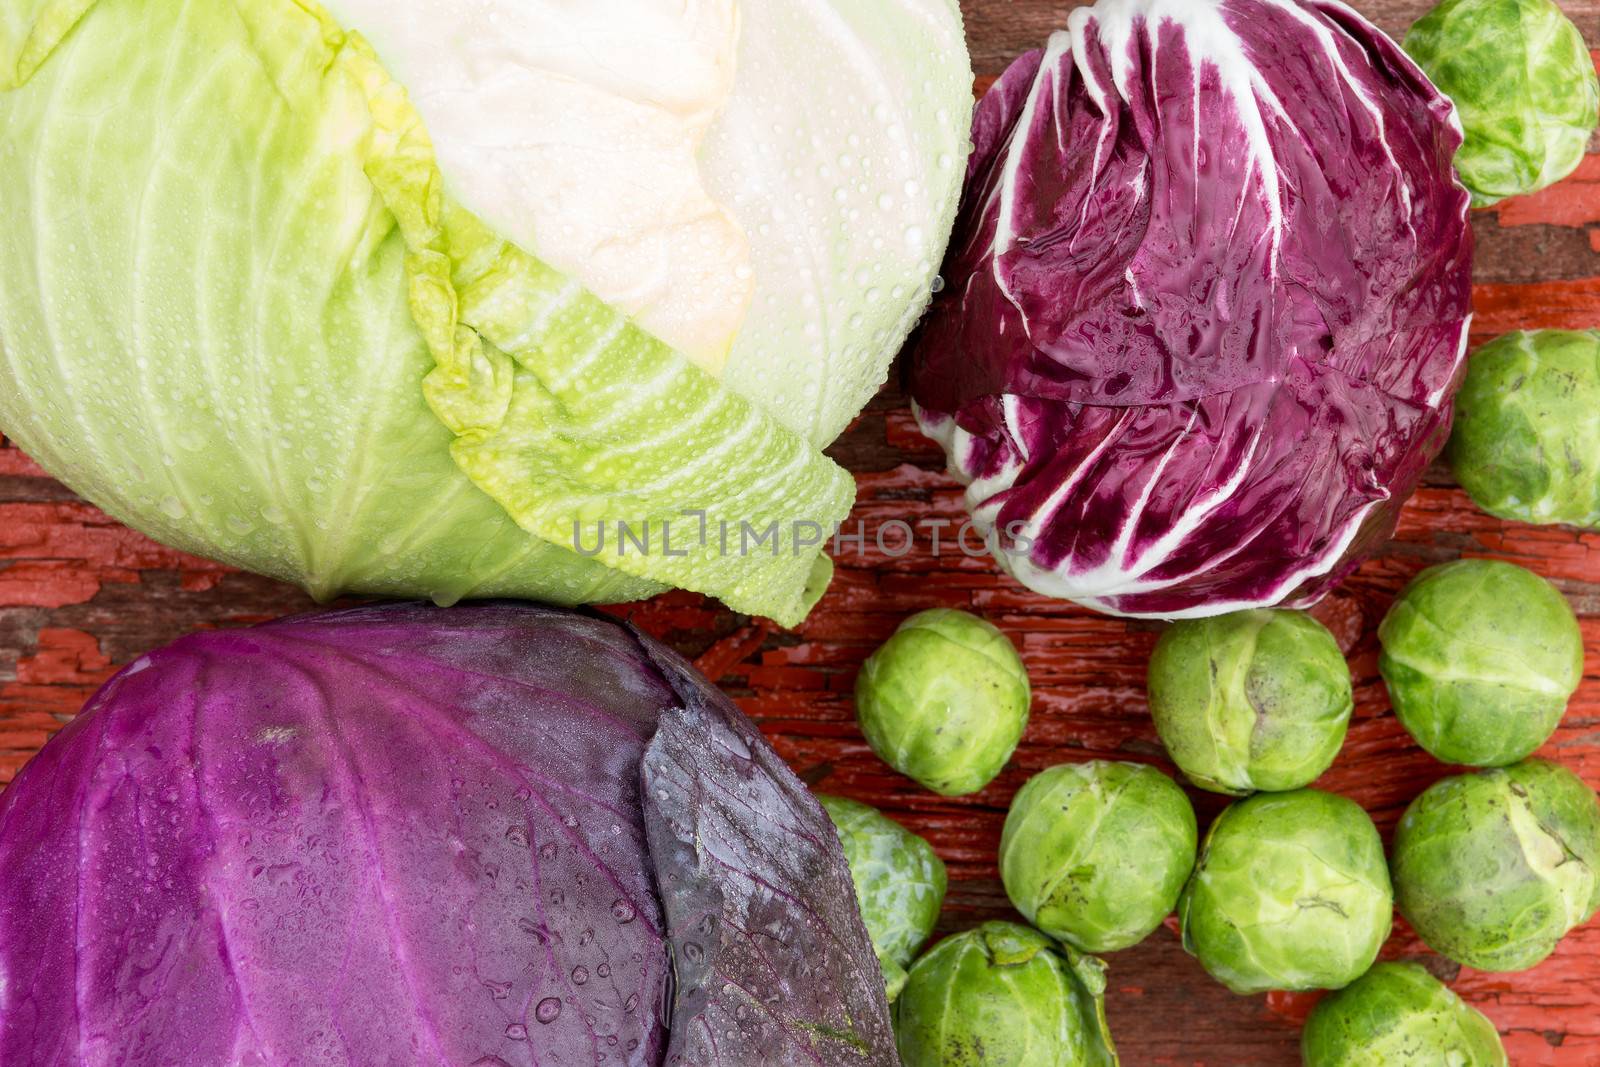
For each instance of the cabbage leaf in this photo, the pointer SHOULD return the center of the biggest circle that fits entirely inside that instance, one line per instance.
(1208, 304)
(491, 836)
(243, 312)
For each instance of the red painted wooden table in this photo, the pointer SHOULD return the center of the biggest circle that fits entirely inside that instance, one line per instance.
(81, 595)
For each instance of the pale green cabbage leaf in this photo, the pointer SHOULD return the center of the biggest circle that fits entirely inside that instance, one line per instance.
(241, 310)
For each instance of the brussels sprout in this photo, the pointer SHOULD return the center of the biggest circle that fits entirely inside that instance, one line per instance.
(1494, 868)
(1095, 854)
(1003, 995)
(944, 701)
(1480, 658)
(1526, 444)
(1398, 1013)
(1524, 84)
(1253, 700)
(1291, 892)
(900, 883)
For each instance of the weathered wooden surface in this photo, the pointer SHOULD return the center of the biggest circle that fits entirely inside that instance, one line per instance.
(80, 595)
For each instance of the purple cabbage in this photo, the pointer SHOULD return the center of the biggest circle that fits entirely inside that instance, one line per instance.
(1207, 304)
(484, 837)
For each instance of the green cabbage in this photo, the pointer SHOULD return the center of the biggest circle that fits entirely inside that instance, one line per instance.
(242, 309)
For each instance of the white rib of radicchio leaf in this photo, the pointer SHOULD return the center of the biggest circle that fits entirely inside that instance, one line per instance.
(1207, 304)
(390, 836)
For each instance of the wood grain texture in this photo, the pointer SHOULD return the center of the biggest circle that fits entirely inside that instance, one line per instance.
(80, 596)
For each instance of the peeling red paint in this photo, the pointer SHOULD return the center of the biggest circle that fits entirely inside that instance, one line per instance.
(45, 689)
(1574, 202)
(716, 661)
(69, 656)
(16, 462)
(84, 533)
(1295, 1007)
(47, 583)
(200, 581)
(1568, 304)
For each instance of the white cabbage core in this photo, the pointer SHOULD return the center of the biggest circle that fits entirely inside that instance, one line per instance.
(767, 186)
(574, 128)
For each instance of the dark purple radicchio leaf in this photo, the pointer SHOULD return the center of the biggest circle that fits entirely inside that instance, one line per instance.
(1207, 304)
(410, 835)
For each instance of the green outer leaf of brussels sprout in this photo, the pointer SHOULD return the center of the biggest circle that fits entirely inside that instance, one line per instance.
(1290, 892)
(1493, 869)
(1003, 995)
(900, 883)
(944, 701)
(1526, 443)
(1524, 84)
(1398, 1013)
(1480, 658)
(1253, 700)
(1096, 854)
